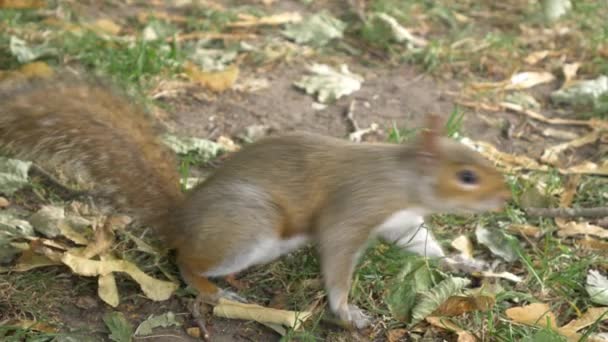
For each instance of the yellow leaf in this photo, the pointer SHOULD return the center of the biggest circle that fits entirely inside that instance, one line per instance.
(236, 310)
(106, 26)
(154, 289)
(536, 314)
(464, 245)
(217, 81)
(22, 4)
(536, 57)
(107, 289)
(273, 20)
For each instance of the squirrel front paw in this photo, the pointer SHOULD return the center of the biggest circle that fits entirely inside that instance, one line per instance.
(354, 316)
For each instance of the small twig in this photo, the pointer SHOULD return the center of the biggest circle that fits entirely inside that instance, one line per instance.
(597, 212)
(350, 117)
(355, 132)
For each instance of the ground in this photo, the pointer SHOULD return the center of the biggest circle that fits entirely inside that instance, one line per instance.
(400, 88)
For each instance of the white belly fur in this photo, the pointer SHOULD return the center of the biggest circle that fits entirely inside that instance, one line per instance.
(406, 229)
(263, 251)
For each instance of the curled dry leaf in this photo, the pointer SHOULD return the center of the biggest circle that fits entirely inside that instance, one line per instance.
(593, 244)
(551, 154)
(571, 228)
(458, 305)
(22, 4)
(536, 56)
(446, 324)
(236, 310)
(4, 202)
(464, 245)
(569, 191)
(525, 80)
(509, 162)
(592, 123)
(396, 335)
(107, 290)
(588, 318)
(154, 289)
(569, 70)
(535, 314)
(525, 230)
(246, 20)
(217, 81)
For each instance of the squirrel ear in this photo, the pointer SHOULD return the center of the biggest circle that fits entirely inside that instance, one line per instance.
(428, 142)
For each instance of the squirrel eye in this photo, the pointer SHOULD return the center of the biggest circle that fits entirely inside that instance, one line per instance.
(467, 177)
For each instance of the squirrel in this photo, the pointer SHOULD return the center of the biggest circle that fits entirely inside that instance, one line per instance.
(269, 198)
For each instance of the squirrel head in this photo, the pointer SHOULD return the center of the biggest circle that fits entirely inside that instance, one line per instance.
(455, 177)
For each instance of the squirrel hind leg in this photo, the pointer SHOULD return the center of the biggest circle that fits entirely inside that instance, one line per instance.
(192, 270)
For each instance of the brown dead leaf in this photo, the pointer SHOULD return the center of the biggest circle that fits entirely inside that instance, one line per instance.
(445, 324)
(145, 17)
(535, 314)
(525, 230)
(22, 4)
(246, 20)
(155, 289)
(588, 168)
(593, 244)
(4, 202)
(458, 305)
(569, 70)
(510, 162)
(592, 123)
(464, 245)
(396, 335)
(569, 191)
(106, 26)
(211, 35)
(588, 318)
(536, 56)
(34, 257)
(103, 240)
(216, 81)
(571, 228)
(551, 154)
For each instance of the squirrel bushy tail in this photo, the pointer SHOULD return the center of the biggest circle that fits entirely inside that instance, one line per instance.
(87, 125)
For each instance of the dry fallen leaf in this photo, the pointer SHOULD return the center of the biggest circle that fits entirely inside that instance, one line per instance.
(246, 20)
(525, 230)
(591, 123)
(569, 70)
(216, 81)
(464, 245)
(34, 325)
(22, 4)
(107, 289)
(106, 26)
(443, 323)
(535, 314)
(525, 80)
(458, 305)
(396, 335)
(569, 191)
(593, 244)
(509, 162)
(536, 57)
(572, 228)
(551, 154)
(588, 318)
(236, 310)
(155, 289)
